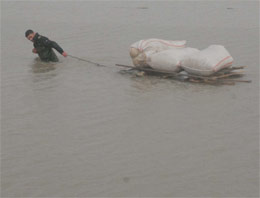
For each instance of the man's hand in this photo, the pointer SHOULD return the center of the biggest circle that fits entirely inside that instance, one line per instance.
(64, 54)
(34, 51)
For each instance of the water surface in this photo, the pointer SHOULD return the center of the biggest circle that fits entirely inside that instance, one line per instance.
(71, 129)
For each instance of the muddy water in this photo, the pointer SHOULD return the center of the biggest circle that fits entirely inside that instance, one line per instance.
(71, 129)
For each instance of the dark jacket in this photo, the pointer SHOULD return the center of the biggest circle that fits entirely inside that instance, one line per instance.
(44, 47)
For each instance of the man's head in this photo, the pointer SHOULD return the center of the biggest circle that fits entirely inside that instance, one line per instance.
(29, 34)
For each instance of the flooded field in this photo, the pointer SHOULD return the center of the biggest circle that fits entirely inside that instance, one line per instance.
(72, 129)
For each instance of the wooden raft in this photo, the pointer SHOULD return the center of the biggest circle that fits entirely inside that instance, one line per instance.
(225, 76)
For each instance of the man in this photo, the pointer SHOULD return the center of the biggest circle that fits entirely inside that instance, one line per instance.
(43, 47)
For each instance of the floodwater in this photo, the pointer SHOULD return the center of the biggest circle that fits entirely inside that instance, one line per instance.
(72, 129)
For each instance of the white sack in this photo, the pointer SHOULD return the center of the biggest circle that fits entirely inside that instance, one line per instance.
(207, 61)
(170, 60)
(139, 51)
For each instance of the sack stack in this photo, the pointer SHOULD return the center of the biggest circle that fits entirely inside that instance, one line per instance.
(173, 56)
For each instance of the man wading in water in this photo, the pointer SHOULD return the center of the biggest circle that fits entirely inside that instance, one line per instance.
(43, 47)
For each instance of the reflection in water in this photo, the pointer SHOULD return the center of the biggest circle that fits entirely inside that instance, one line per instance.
(145, 82)
(140, 80)
(43, 70)
(39, 66)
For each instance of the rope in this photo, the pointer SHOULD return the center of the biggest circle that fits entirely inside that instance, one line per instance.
(88, 61)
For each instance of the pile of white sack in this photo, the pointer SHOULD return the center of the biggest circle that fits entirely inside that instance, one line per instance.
(174, 56)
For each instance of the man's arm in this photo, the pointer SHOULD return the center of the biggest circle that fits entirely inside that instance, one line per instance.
(53, 44)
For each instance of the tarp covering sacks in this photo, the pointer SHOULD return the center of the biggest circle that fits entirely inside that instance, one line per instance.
(139, 51)
(207, 61)
(170, 60)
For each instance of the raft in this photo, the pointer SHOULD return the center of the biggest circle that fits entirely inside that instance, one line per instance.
(227, 76)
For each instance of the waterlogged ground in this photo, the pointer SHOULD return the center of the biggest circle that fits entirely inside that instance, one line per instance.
(72, 129)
